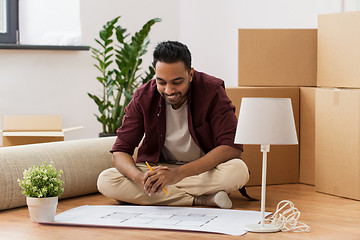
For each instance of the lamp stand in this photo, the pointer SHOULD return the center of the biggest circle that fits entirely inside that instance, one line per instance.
(265, 148)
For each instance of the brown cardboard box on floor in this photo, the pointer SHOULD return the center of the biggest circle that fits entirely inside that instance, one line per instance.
(21, 130)
(277, 57)
(307, 135)
(283, 161)
(339, 50)
(337, 148)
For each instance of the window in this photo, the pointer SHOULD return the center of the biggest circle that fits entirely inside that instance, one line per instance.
(33, 31)
(8, 21)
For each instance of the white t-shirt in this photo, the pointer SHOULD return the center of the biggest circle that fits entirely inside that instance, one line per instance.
(179, 147)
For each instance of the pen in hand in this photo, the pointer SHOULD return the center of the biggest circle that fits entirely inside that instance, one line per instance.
(152, 170)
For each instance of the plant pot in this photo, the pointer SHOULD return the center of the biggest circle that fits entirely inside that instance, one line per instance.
(107, 134)
(42, 209)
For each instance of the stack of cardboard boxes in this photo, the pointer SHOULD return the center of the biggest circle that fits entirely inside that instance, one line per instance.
(337, 109)
(308, 66)
(274, 63)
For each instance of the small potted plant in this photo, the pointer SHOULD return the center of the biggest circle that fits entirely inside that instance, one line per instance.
(42, 186)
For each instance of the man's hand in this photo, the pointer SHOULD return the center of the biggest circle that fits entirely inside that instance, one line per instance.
(161, 176)
(139, 179)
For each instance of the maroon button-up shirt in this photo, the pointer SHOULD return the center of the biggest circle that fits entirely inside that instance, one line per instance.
(211, 119)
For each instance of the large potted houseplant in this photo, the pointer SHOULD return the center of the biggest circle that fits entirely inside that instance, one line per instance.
(42, 186)
(118, 61)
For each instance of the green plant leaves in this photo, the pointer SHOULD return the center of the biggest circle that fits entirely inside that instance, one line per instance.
(41, 181)
(118, 62)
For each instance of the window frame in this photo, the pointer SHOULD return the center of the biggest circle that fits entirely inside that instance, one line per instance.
(10, 36)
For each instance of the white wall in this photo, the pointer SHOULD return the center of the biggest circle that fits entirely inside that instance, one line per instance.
(57, 82)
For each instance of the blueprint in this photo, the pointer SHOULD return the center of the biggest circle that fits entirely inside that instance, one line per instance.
(160, 217)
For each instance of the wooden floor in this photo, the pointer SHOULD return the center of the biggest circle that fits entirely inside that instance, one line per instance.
(329, 217)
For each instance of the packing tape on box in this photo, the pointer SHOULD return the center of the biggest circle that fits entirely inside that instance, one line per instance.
(336, 96)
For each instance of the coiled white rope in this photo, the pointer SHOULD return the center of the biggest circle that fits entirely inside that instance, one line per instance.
(286, 218)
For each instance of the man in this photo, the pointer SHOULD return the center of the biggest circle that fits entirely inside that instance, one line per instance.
(188, 126)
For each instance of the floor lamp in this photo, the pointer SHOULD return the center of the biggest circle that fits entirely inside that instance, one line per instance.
(265, 122)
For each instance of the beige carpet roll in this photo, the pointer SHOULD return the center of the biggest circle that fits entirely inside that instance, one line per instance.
(81, 160)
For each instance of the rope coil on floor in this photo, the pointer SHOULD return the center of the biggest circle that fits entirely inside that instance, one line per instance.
(286, 218)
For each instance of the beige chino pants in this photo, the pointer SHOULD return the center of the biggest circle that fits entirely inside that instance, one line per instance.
(228, 176)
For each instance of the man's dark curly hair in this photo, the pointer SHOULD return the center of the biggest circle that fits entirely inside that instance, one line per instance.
(171, 52)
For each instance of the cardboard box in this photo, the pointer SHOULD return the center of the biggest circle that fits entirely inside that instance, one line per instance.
(339, 50)
(337, 147)
(21, 130)
(307, 135)
(277, 57)
(283, 161)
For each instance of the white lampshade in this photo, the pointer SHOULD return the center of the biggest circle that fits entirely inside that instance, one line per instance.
(266, 121)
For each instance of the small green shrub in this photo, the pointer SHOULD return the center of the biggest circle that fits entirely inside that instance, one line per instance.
(41, 182)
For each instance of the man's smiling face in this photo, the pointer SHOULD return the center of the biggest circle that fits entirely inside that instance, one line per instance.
(173, 82)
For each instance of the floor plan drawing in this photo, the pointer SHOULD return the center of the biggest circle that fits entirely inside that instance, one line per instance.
(213, 220)
(197, 220)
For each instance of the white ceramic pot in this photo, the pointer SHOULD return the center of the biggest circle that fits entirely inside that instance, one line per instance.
(42, 209)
